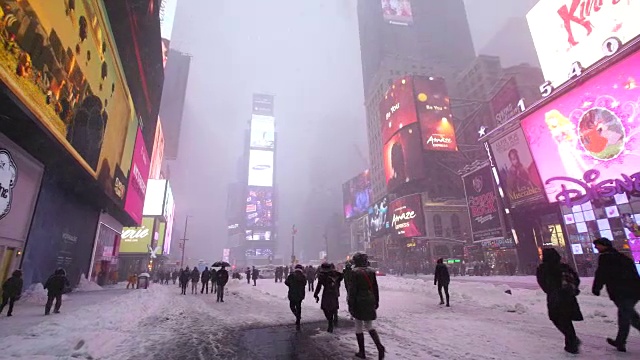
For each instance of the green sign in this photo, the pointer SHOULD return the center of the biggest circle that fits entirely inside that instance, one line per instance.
(136, 240)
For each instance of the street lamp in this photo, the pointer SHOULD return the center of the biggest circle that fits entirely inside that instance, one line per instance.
(184, 239)
(294, 231)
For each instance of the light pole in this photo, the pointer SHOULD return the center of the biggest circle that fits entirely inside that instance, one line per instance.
(326, 246)
(293, 243)
(184, 239)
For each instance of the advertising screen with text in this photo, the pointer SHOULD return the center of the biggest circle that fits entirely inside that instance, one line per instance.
(259, 212)
(379, 218)
(504, 104)
(155, 198)
(483, 205)
(407, 217)
(260, 168)
(586, 143)
(137, 239)
(357, 195)
(158, 153)
(262, 132)
(138, 177)
(403, 158)
(434, 113)
(397, 108)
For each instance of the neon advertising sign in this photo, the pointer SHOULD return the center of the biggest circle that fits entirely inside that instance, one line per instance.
(592, 190)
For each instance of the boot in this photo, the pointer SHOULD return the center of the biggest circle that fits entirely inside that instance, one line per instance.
(330, 328)
(360, 354)
(335, 319)
(298, 323)
(619, 346)
(376, 340)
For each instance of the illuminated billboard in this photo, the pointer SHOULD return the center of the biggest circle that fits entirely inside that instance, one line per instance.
(169, 215)
(262, 104)
(357, 195)
(137, 239)
(257, 235)
(397, 12)
(566, 31)
(167, 16)
(259, 211)
(403, 158)
(586, 143)
(260, 168)
(379, 222)
(407, 217)
(434, 113)
(158, 153)
(63, 64)
(504, 104)
(483, 205)
(155, 199)
(137, 188)
(397, 108)
(262, 132)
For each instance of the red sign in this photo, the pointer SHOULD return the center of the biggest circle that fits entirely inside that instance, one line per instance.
(434, 113)
(397, 109)
(403, 159)
(407, 217)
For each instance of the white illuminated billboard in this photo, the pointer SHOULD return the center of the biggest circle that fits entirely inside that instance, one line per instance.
(169, 210)
(154, 199)
(262, 131)
(260, 168)
(566, 31)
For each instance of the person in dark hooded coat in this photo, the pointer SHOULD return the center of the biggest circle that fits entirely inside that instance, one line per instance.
(363, 300)
(195, 277)
(55, 285)
(561, 284)
(11, 290)
(296, 282)
(222, 277)
(184, 280)
(329, 282)
(442, 278)
(214, 280)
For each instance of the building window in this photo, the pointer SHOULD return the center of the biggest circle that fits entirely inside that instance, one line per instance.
(437, 225)
(455, 225)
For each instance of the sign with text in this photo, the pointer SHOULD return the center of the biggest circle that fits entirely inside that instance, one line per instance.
(504, 104)
(407, 217)
(483, 205)
(137, 239)
(434, 113)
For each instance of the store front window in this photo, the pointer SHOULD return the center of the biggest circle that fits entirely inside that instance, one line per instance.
(105, 264)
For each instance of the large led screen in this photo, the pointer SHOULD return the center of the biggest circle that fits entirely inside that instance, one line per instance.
(565, 31)
(397, 11)
(155, 198)
(357, 195)
(586, 143)
(158, 153)
(137, 239)
(169, 215)
(504, 104)
(434, 113)
(403, 160)
(62, 63)
(137, 188)
(407, 217)
(259, 212)
(483, 205)
(260, 168)
(262, 132)
(519, 176)
(379, 222)
(397, 108)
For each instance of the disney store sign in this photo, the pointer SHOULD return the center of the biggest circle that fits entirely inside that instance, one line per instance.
(589, 188)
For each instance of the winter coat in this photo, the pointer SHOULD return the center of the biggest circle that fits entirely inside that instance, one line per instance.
(330, 281)
(311, 274)
(363, 294)
(56, 284)
(195, 275)
(214, 276)
(206, 275)
(185, 276)
(297, 283)
(441, 275)
(619, 274)
(255, 274)
(222, 277)
(346, 273)
(561, 301)
(12, 287)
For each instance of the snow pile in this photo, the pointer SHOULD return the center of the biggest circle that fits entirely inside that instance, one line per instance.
(86, 285)
(37, 295)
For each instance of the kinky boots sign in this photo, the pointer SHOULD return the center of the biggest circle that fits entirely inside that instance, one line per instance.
(486, 223)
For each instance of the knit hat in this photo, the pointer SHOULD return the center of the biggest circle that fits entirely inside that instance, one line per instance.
(603, 241)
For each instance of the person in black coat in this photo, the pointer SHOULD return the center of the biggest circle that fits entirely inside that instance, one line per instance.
(561, 284)
(184, 280)
(195, 277)
(55, 285)
(285, 272)
(248, 274)
(329, 279)
(618, 273)
(311, 277)
(11, 291)
(222, 277)
(205, 277)
(255, 273)
(174, 276)
(296, 281)
(441, 278)
(363, 300)
(214, 280)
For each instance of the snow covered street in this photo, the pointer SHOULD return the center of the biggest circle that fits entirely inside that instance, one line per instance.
(255, 323)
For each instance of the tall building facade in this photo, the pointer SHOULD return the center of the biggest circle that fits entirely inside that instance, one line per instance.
(426, 37)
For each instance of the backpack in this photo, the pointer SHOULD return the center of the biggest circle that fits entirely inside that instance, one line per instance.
(569, 281)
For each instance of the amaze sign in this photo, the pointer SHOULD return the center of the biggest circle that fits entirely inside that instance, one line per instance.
(407, 219)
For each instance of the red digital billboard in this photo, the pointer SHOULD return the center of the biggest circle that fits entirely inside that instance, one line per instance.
(434, 113)
(403, 159)
(407, 217)
(397, 108)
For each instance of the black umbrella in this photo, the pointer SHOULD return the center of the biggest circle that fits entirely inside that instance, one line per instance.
(221, 264)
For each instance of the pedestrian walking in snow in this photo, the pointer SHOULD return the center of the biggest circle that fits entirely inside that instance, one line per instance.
(618, 273)
(296, 282)
(441, 278)
(285, 273)
(56, 285)
(205, 277)
(132, 280)
(167, 277)
(195, 277)
(248, 274)
(184, 280)
(255, 273)
(561, 284)
(222, 277)
(329, 282)
(174, 276)
(214, 280)
(311, 277)
(363, 302)
(11, 291)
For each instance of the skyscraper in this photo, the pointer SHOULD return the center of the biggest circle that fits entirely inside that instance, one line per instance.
(403, 37)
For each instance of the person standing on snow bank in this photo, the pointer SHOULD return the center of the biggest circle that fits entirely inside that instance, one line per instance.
(255, 273)
(441, 278)
(195, 277)
(206, 275)
(185, 275)
(330, 279)
(296, 282)
(222, 277)
(55, 285)
(619, 274)
(363, 302)
(11, 290)
(561, 284)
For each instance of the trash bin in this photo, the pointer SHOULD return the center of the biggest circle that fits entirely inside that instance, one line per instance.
(143, 281)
